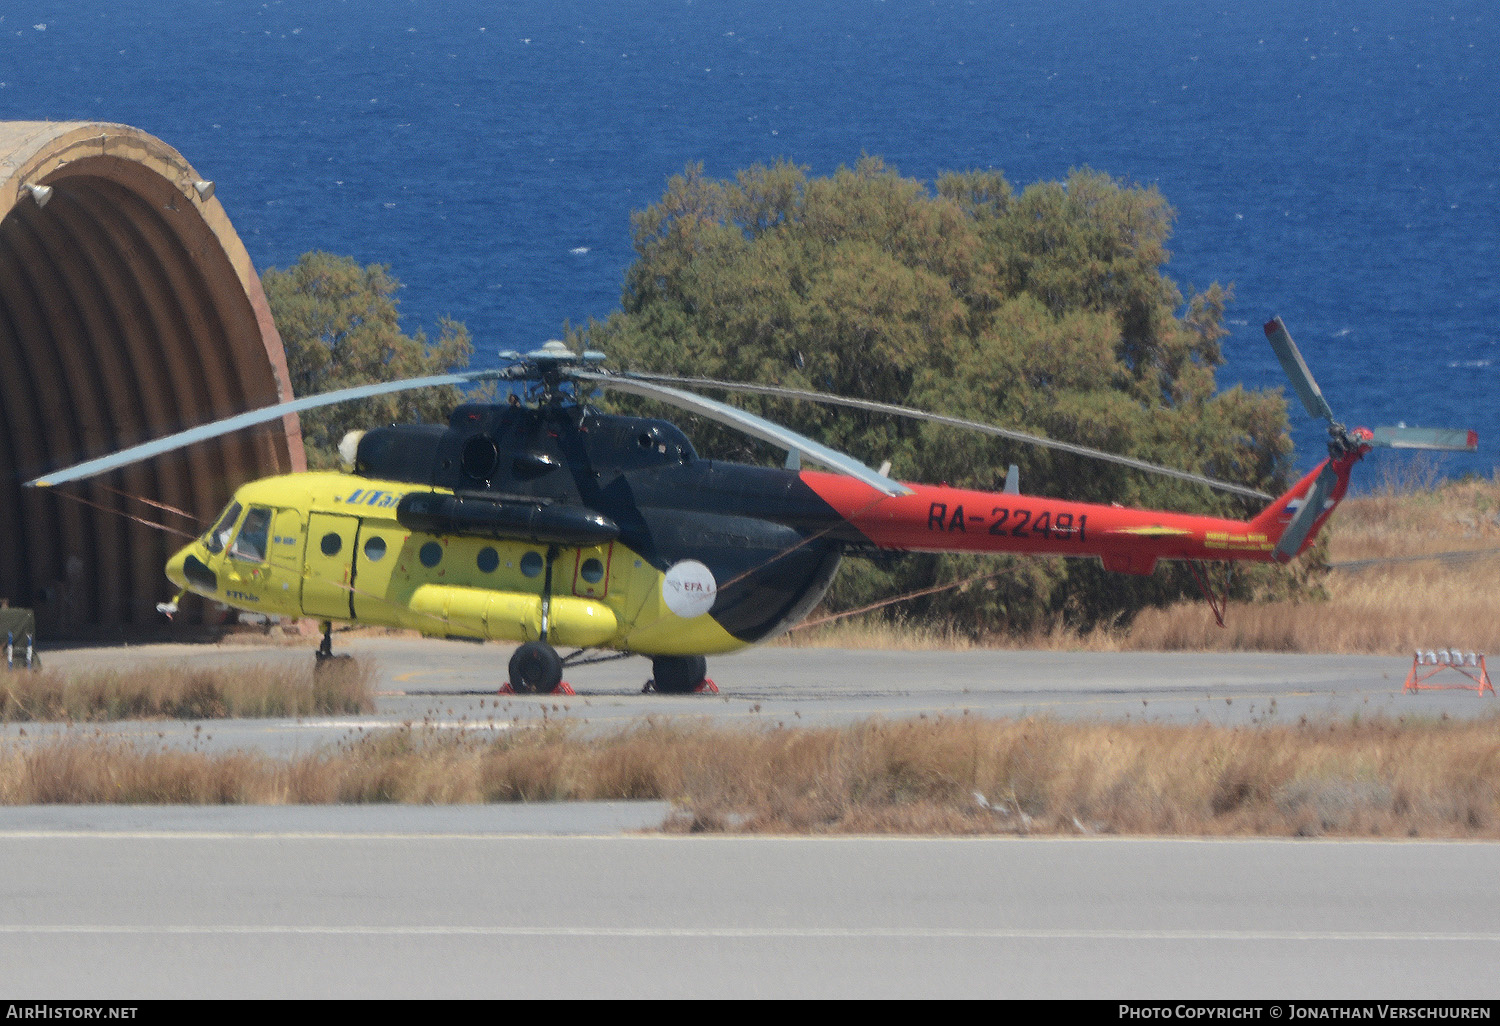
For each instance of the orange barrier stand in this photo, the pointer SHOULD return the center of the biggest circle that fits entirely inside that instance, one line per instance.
(1471, 667)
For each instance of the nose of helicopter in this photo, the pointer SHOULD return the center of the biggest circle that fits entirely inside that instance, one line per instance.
(187, 570)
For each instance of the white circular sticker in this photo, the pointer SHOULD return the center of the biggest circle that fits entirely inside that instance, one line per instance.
(689, 588)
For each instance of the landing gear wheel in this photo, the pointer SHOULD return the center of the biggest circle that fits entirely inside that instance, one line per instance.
(678, 675)
(535, 669)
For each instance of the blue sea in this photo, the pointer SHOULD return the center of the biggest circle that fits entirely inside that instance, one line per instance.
(1338, 162)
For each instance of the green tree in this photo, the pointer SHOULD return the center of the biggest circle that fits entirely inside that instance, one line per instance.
(340, 326)
(1047, 311)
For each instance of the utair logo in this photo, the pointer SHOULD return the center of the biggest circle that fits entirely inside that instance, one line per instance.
(369, 497)
(689, 588)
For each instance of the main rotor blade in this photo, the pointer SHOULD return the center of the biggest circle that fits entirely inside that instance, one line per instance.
(156, 447)
(972, 425)
(1440, 439)
(750, 424)
(1296, 370)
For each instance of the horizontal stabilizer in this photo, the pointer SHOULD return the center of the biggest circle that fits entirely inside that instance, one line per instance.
(1444, 439)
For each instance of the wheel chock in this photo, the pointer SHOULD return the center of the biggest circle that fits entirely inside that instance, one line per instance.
(561, 689)
(708, 687)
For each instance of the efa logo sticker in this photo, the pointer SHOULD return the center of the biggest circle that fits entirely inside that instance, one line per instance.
(689, 588)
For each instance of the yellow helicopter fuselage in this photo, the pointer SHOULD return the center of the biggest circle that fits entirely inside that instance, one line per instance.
(329, 546)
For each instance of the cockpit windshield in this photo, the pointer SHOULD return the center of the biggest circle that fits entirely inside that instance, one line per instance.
(251, 543)
(218, 537)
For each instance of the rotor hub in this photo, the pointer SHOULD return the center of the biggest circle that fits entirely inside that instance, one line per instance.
(551, 366)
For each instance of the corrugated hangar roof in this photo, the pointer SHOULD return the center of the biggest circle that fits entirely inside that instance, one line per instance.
(128, 309)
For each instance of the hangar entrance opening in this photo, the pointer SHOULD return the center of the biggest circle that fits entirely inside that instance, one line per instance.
(128, 310)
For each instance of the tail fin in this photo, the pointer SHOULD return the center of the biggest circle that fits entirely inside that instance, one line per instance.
(1292, 521)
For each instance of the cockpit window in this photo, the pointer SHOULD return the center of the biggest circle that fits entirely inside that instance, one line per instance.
(251, 543)
(218, 537)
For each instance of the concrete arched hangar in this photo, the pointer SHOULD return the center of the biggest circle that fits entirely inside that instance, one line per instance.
(128, 310)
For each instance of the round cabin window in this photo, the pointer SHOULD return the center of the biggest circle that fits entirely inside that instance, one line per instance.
(375, 549)
(531, 564)
(430, 554)
(487, 560)
(331, 544)
(592, 570)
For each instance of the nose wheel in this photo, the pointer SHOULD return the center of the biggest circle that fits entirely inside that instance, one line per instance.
(324, 655)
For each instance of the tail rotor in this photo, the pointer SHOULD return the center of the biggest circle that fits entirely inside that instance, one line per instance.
(1340, 439)
(1342, 442)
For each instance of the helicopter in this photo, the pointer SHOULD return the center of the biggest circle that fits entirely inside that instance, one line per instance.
(545, 522)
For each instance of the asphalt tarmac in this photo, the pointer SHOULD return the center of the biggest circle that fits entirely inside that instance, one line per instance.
(454, 685)
(574, 901)
(419, 903)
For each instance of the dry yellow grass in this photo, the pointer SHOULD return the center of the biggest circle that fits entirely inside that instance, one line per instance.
(180, 691)
(1386, 595)
(957, 775)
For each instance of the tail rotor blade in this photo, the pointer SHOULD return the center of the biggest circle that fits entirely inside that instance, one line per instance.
(1439, 439)
(1296, 370)
(1312, 508)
